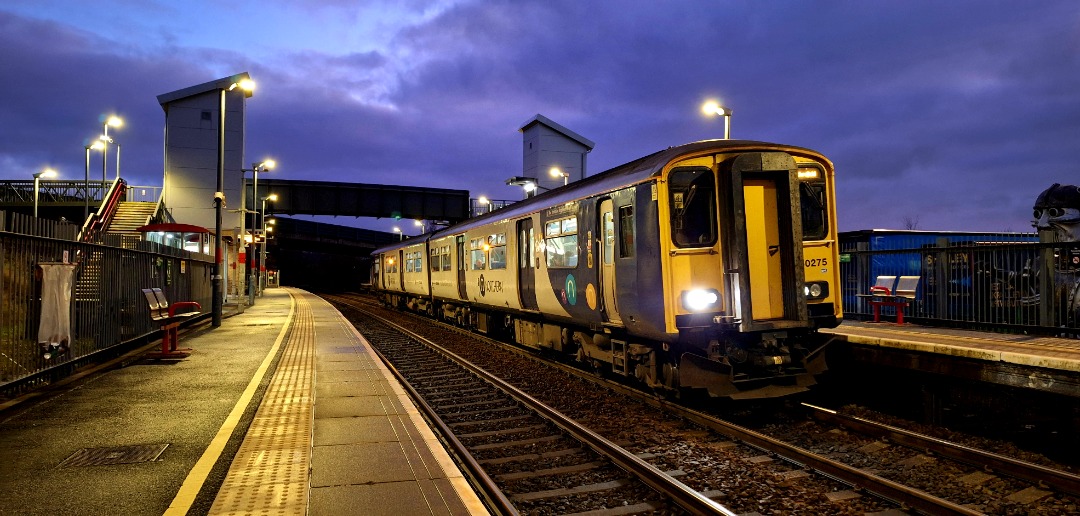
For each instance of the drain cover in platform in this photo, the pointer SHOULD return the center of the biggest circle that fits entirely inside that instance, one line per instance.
(114, 455)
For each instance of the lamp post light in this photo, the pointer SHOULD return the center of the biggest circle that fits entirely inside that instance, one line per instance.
(557, 172)
(714, 108)
(262, 251)
(401, 236)
(219, 201)
(97, 145)
(264, 166)
(48, 172)
(483, 201)
(114, 121)
(420, 224)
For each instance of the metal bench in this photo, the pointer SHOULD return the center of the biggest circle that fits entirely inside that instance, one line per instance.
(884, 294)
(165, 314)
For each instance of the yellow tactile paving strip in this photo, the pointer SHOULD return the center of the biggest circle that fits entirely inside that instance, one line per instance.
(1048, 352)
(269, 475)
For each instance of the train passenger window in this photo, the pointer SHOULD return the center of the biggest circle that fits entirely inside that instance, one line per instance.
(693, 206)
(626, 231)
(560, 246)
(498, 257)
(446, 264)
(497, 251)
(478, 258)
(435, 260)
(408, 262)
(812, 200)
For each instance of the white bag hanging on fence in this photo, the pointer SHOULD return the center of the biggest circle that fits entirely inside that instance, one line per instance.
(54, 331)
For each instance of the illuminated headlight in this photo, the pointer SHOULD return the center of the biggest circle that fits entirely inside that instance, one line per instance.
(700, 300)
(816, 290)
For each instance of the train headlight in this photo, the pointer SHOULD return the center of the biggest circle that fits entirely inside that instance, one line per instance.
(816, 290)
(700, 300)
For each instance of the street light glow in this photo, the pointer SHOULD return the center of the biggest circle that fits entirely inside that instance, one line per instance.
(114, 121)
(271, 197)
(244, 84)
(97, 145)
(713, 107)
(48, 172)
(268, 164)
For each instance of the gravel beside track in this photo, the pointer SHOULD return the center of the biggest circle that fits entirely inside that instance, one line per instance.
(740, 477)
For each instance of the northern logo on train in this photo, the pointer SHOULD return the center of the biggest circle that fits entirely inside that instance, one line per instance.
(483, 289)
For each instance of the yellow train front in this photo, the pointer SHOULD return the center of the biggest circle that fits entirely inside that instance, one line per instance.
(704, 266)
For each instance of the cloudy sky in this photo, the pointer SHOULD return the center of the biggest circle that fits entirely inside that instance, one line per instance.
(952, 115)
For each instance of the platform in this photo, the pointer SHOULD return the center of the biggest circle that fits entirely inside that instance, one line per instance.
(1036, 362)
(284, 409)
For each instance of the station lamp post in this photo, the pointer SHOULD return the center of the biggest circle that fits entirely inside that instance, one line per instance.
(526, 183)
(557, 172)
(219, 201)
(262, 251)
(714, 108)
(483, 201)
(264, 166)
(97, 145)
(401, 236)
(420, 224)
(48, 172)
(114, 121)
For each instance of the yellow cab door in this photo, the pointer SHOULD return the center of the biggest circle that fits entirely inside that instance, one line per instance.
(763, 222)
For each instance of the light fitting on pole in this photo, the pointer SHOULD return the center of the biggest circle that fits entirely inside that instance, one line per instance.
(557, 172)
(48, 172)
(713, 107)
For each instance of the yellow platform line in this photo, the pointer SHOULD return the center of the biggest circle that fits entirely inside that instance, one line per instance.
(185, 497)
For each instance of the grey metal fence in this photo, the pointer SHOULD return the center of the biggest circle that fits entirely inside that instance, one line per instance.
(107, 307)
(1004, 282)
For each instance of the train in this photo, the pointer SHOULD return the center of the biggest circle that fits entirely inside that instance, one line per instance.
(707, 267)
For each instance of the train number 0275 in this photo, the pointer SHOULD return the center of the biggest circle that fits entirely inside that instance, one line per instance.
(817, 262)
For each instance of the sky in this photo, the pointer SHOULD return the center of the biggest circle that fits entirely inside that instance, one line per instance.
(937, 115)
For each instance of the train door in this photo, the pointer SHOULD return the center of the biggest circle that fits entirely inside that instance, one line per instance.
(765, 226)
(461, 267)
(401, 270)
(607, 262)
(526, 265)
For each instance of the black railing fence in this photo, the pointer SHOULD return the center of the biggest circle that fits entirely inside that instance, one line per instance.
(106, 305)
(1004, 282)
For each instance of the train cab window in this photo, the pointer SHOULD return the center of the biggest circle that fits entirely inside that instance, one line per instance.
(693, 206)
(626, 231)
(560, 243)
(812, 199)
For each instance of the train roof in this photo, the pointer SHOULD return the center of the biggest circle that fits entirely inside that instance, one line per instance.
(609, 180)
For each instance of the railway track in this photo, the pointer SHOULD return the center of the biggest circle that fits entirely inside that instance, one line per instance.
(791, 461)
(527, 456)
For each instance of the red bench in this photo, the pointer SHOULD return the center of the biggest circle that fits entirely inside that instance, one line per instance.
(165, 314)
(883, 294)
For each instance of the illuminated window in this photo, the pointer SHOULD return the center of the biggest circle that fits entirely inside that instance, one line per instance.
(560, 243)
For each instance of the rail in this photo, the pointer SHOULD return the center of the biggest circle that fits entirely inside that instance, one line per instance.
(681, 494)
(1023, 470)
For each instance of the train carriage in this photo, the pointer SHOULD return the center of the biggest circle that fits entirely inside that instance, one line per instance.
(709, 265)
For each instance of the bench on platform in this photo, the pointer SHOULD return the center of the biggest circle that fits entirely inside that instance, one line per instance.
(169, 318)
(883, 293)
